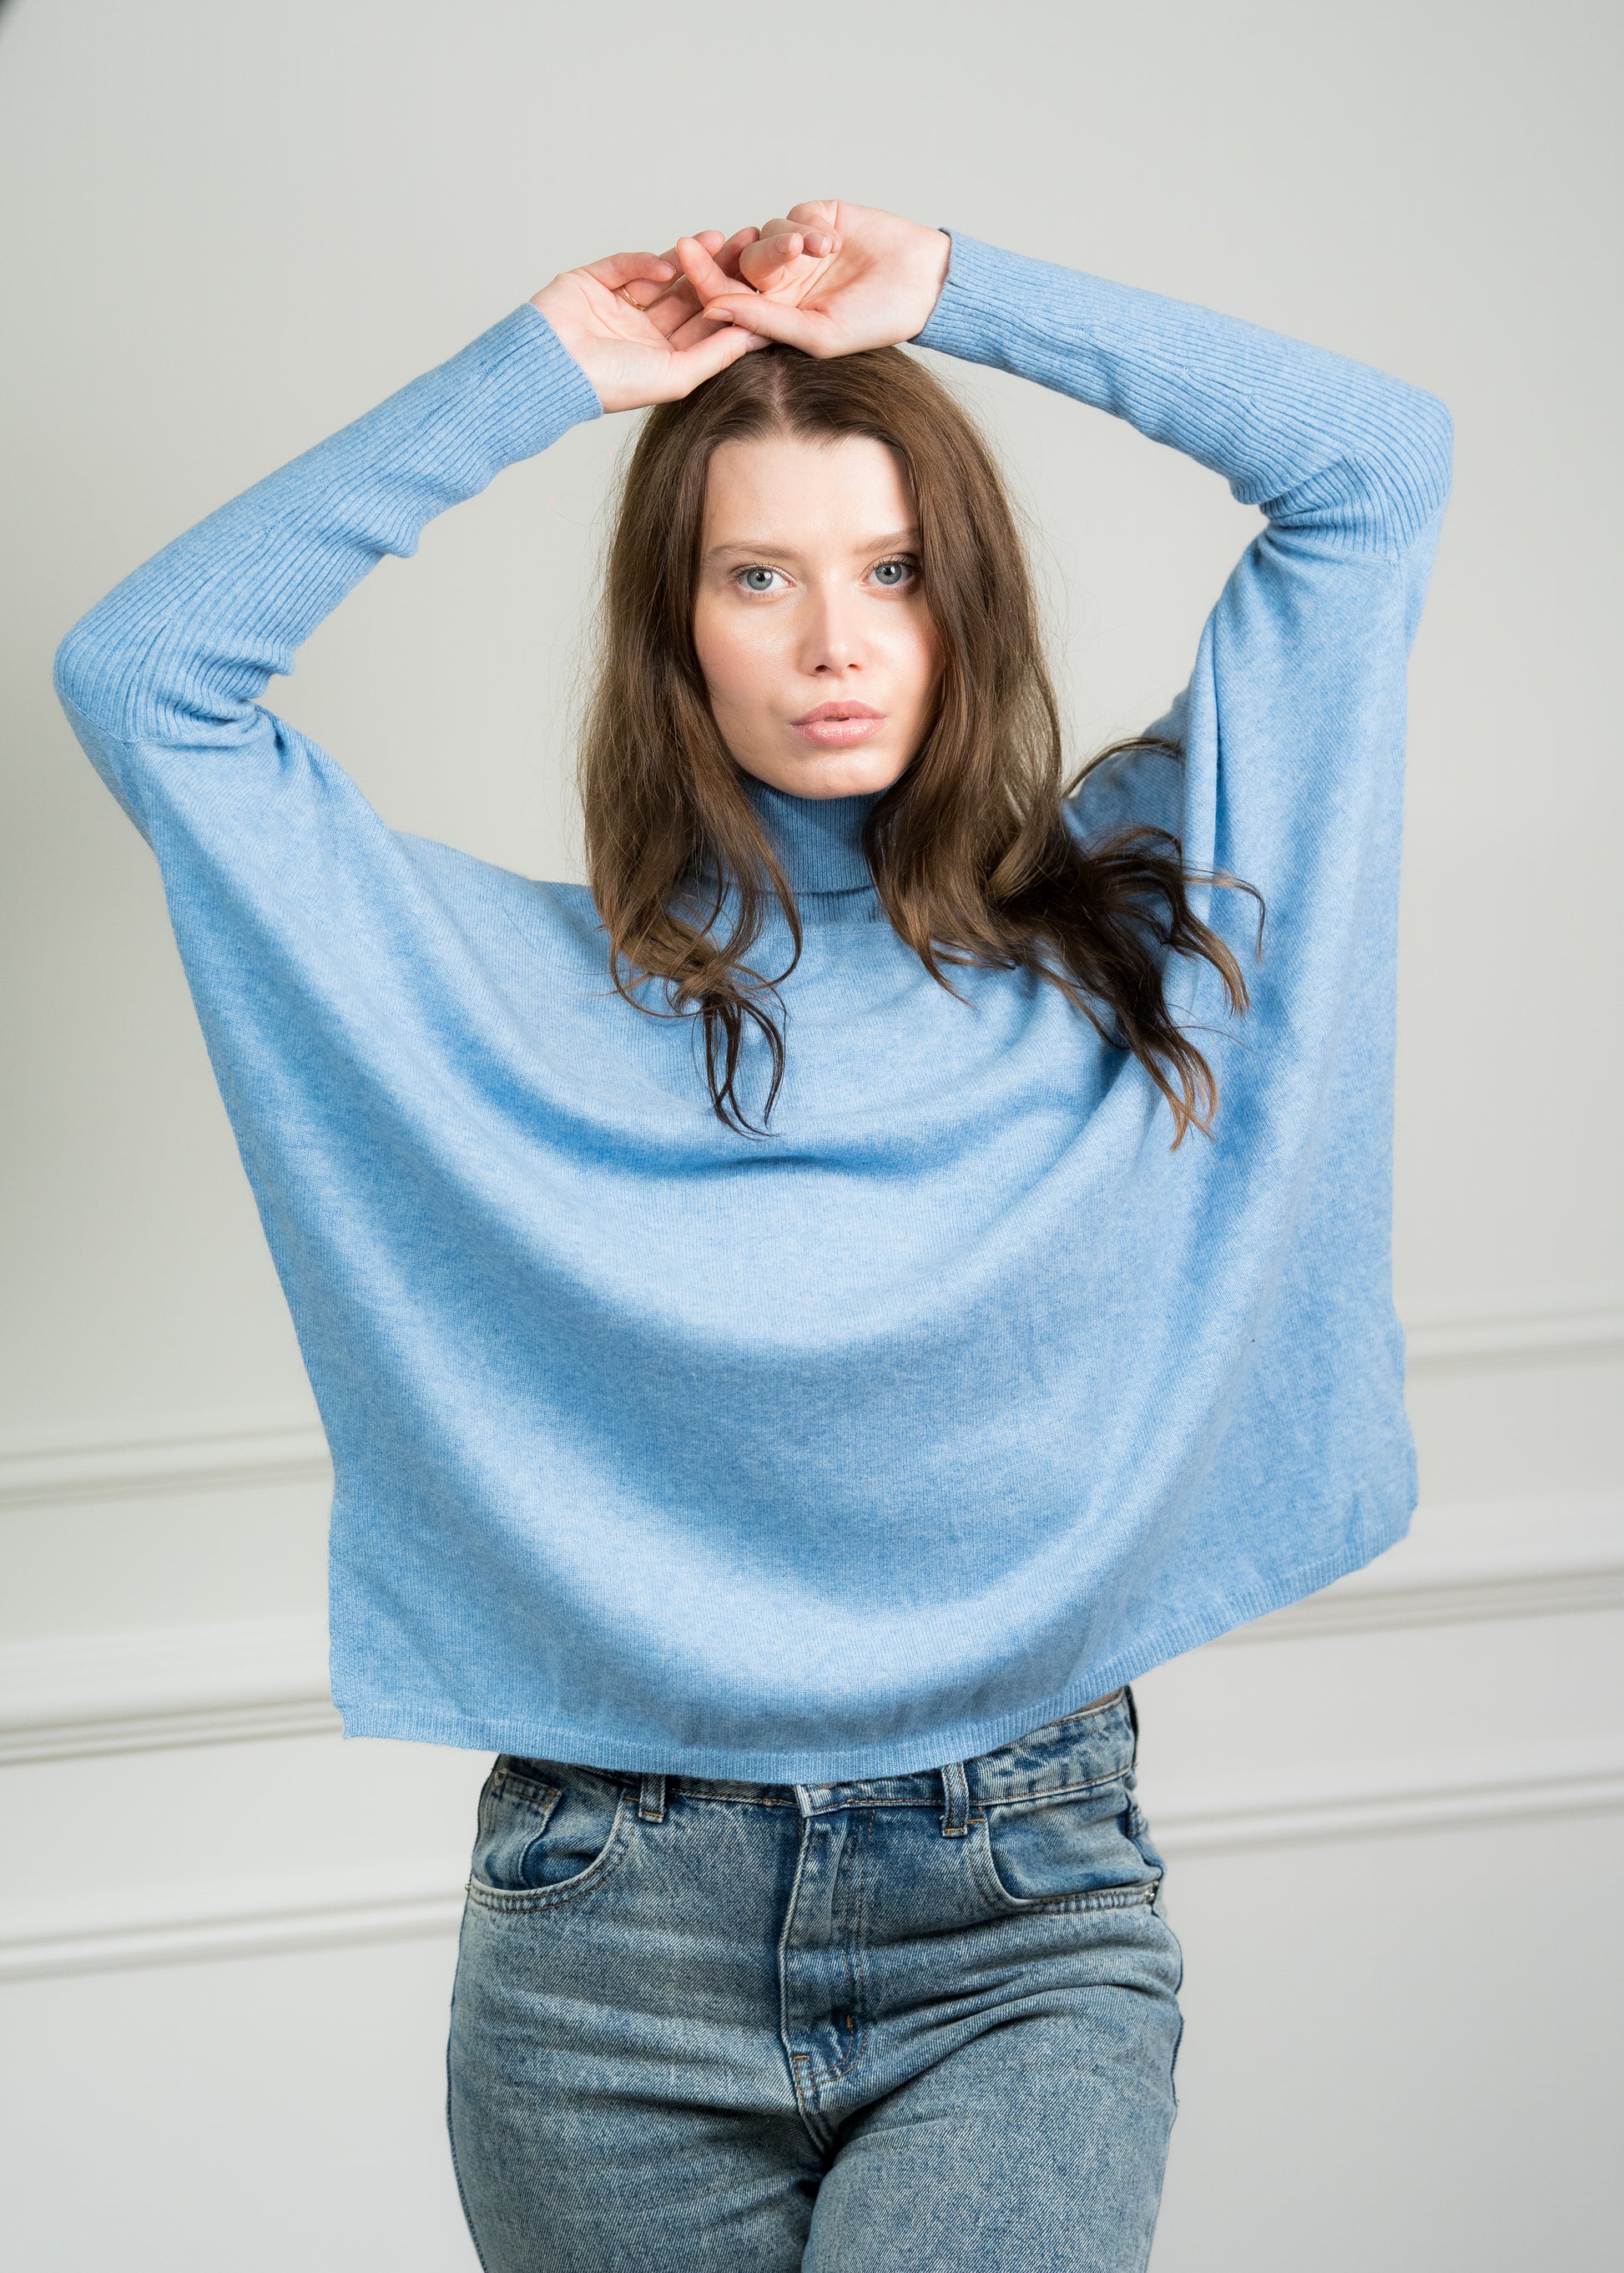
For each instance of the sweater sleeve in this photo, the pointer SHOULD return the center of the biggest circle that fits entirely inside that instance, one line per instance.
(161, 679)
(1292, 727)
(1338, 456)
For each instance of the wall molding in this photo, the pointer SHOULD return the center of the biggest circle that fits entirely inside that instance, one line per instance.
(1436, 1795)
(85, 1696)
(1514, 1333)
(413, 1900)
(1496, 1559)
(257, 1916)
(150, 1689)
(229, 1451)
(284, 1443)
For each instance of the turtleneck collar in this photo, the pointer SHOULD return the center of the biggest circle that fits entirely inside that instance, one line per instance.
(819, 840)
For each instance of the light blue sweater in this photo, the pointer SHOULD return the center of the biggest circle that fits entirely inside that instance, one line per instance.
(960, 1397)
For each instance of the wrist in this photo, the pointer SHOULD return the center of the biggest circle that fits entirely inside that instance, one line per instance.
(938, 260)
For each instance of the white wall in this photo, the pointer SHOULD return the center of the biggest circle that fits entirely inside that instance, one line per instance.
(1394, 1815)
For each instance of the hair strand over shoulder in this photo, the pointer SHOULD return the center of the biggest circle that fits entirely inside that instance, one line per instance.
(973, 855)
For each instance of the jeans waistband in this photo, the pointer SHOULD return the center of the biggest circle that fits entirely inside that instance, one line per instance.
(1089, 1745)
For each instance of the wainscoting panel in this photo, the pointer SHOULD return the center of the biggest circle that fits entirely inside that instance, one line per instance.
(212, 1902)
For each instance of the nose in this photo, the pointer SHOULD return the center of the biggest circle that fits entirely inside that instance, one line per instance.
(831, 644)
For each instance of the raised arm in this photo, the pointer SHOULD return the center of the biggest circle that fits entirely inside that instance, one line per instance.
(1328, 447)
(178, 654)
(1290, 732)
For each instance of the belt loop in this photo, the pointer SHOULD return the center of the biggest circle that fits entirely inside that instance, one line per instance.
(955, 1793)
(651, 1800)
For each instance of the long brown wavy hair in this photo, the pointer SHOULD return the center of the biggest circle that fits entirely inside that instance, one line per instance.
(970, 852)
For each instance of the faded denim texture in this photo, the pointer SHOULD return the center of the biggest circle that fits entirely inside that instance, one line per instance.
(925, 2019)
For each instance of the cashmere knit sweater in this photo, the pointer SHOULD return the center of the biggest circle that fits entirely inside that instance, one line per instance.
(961, 1397)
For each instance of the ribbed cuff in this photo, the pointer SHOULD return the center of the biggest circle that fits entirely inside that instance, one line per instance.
(528, 388)
(972, 311)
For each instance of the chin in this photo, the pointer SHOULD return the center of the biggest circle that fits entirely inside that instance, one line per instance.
(832, 773)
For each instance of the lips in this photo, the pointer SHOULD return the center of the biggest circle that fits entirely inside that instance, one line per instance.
(837, 710)
(836, 725)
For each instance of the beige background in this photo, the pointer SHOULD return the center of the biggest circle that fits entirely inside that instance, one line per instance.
(231, 229)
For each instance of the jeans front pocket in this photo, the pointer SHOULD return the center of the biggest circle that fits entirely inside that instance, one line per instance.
(1077, 1848)
(547, 1833)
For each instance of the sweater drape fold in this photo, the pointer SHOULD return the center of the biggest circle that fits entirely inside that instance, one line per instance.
(960, 1397)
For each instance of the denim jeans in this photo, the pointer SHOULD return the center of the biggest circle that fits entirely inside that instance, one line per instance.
(928, 2020)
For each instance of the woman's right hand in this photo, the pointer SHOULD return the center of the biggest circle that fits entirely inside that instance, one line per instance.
(632, 323)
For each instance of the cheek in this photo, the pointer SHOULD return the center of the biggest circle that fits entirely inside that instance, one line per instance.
(917, 657)
(733, 655)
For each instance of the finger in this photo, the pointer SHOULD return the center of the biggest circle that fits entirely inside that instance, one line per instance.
(726, 254)
(692, 366)
(676, 310)
(815, 213)
(773, 260)
(701, 270)
(817, 219)
(733, 252)
(627, 268)
(666, 305)
(675, 314)
(700, 328)
(692, 331)
(777, 248)
(643, 291)
(774, 319)
(722, 249)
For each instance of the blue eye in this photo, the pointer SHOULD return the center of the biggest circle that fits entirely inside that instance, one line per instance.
(758, 580)
(891, 574)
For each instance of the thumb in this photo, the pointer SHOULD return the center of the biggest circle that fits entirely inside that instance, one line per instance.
(691, 367)
(771, 319)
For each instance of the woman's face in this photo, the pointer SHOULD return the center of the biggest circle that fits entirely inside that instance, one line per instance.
(818, 650)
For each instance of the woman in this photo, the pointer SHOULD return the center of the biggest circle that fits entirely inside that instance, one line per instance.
(798, 1330)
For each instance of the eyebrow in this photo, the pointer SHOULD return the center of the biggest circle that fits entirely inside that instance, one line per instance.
(893, 540)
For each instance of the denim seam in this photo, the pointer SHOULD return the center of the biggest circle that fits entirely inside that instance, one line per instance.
(529, 1791)
(451, 2135)
(617, 1846)
(816, 2130)
(1103, 1898)
(1054, 1791)
(1108, 1898)
(856, 1985)
(932, 1804)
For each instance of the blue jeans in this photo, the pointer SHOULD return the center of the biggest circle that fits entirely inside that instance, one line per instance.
(928, 2020)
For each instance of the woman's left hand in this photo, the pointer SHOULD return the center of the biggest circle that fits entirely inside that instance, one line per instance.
(829, 278)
